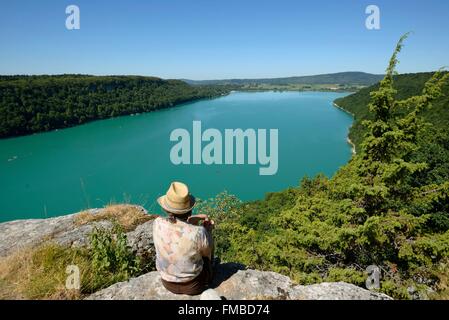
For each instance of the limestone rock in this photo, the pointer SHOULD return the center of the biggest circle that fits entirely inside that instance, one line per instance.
(65, 231)
(22, 233)
(210, 294)
(232, 283)
(335, 291)
(141, 240)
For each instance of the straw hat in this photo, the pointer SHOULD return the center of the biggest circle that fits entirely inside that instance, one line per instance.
(177, 200)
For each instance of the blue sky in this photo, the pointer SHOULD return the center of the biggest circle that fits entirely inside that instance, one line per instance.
(209, 39)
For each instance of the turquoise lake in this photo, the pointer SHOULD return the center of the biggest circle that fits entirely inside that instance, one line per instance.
(127, 159)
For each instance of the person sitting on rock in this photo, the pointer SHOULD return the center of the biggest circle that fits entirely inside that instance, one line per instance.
(184, 243)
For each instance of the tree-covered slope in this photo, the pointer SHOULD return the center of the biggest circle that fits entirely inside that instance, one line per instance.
(31, 104)
(407, 85)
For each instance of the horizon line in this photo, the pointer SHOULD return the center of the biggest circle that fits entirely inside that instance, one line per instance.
(196, 80)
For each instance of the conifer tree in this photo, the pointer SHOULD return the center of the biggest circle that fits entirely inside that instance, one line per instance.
(386, 163)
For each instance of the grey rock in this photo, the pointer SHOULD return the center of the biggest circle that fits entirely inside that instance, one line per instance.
(79, 235)
(210, 294)
(145, 287)
(241, 285)
(255, 285)
(24, 233)
(141, 239)
(335, 291)
(63, 230)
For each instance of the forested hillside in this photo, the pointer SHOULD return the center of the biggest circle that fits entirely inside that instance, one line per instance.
(407, 85)
(31, 104)
(388, 207)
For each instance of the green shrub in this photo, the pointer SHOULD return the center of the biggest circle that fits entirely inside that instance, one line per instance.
(112, 260)
(349, 274)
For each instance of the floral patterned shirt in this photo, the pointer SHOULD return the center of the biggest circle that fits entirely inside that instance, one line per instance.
(180, 248)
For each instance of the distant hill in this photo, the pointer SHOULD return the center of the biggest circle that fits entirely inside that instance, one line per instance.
(344, 78)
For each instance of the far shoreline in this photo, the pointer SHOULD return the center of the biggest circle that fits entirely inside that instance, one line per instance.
(176, 105)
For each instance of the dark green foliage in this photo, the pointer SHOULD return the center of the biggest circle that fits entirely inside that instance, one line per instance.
(110, 251)
(31, 104)
(112, 260)
(406, 85)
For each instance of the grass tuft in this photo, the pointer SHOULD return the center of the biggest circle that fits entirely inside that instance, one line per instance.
(40, 273)
(127, 216)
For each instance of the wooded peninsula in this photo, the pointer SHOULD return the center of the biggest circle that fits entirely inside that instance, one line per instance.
(30, 104)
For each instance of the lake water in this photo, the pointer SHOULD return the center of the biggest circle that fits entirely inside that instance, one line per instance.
(128, 158)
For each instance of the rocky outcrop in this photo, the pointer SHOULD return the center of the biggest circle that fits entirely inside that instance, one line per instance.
(234, 283)
(67, 231)
(141, 240)
(18, 234)
(231, 281)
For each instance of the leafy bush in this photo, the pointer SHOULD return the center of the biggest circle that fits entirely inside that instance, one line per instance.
(111, 258)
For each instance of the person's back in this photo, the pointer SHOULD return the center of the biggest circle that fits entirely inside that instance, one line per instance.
(180, 248)
(183, 249)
